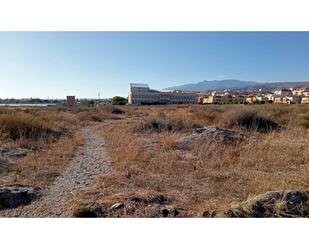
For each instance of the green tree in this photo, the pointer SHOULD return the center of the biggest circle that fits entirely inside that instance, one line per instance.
(117, 100)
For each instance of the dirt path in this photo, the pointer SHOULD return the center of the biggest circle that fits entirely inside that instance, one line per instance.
(79, 175)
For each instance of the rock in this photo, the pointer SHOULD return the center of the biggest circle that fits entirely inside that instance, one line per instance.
(272, 204)
(117, 206)
(165, 212)
(206, 134)
(14, 152)
(208, 214)
(90, 212)
(12, 196)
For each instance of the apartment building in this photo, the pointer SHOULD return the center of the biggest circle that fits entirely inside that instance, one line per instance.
(223, 99)
(141, 94)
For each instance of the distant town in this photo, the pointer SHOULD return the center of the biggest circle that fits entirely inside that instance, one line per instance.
(142, 94)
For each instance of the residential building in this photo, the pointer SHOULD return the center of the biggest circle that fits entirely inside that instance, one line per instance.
(261, 98)
(141, 94)
(301, 91)
(200, 99)
(287, 100)
(305, 100)
(224, 99)
(305, 93)
(270, 96)
(284, 92)
(298, 91)
(251, 99)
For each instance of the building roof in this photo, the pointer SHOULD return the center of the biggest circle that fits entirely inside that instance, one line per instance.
(139, 85)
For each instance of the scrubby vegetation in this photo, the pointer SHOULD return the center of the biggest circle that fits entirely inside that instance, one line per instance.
(50, 136)
(164, 124)
(209, 176)
(249, 120)
(164, 164)
(26, 126)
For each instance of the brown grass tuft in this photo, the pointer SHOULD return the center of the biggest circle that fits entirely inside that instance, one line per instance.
(208, 176)
(163, 124)
(26, 126)
(249, 120)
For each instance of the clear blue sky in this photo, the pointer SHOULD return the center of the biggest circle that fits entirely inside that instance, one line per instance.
(56, 64)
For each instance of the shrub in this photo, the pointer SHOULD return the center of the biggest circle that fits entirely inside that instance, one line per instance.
(25, 126)
(249, 120)
(163, 124)
(90, 116)
(117, 111)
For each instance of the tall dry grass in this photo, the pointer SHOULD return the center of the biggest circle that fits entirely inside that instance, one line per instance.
(212, 176)
(51, 140)
(52, 137)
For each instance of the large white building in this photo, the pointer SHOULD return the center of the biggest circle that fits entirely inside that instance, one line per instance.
(141, 94)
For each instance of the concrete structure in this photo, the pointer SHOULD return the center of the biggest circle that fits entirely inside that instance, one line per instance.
(141, 94)
(71, 100)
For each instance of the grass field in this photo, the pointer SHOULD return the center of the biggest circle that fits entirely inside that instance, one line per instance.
(209, 176)
(153, 167)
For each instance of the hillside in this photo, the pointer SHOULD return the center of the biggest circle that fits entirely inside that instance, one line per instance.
(235, 84)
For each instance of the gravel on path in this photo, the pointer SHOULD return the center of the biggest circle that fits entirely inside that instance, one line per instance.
(79, 175)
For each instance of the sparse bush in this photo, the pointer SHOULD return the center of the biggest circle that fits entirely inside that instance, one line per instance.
(249, 120)
(290, 204)
(163, 124)
(90, 116)
(117, 111)
(25, 126)
(88, 103)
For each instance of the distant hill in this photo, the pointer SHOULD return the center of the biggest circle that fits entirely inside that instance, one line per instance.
(235, 84)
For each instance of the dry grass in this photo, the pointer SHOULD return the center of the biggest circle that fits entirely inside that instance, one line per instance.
(42, 167)
(208, 177)
(99, 114)
(52, 137)
(249, 120)
(25, 126)
(163, 124)
(153, 176)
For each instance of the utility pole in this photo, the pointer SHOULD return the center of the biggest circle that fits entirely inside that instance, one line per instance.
(98, 104)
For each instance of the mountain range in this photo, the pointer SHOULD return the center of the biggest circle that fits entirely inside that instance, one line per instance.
(209, 85)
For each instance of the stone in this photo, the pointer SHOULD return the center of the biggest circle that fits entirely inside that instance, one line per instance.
(90, 212)
(12, 196)
(116, 206)
(14, 152)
